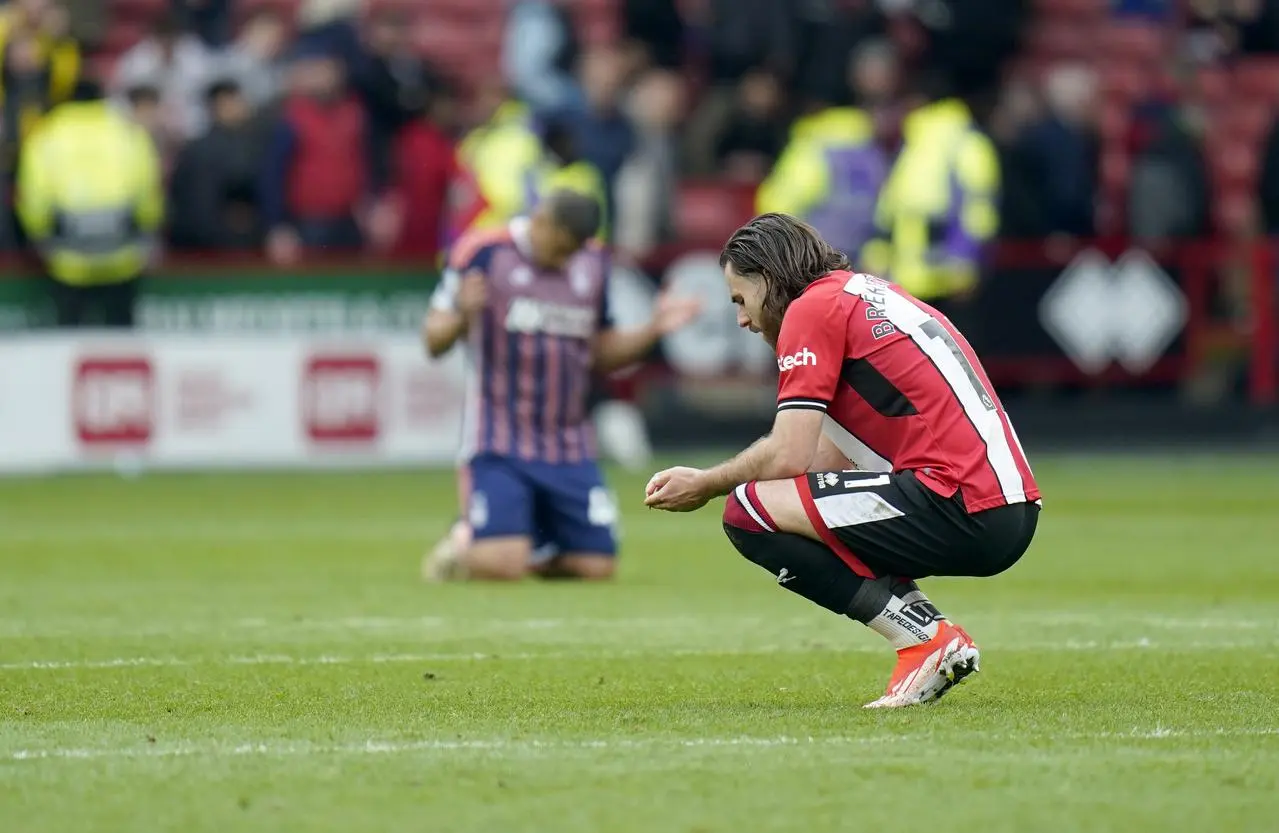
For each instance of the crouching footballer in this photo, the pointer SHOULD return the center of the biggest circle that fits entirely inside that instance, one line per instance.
(891, 459)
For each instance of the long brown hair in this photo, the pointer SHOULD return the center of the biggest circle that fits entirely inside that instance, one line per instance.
(787, 254)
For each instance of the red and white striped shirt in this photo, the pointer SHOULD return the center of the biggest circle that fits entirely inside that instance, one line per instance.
(901, 389)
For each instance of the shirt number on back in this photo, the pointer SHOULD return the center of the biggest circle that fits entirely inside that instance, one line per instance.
(933, 329)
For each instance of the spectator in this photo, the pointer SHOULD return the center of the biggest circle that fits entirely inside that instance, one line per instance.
(645, 187)
(656, 28)
(214, 188)
(147, 111)
(315, 179)
(37, 73)
(316, 13)
(756, 130)
(1022, 202)
(83, 21)
(90, 198)
(744, 35)
(181, 65)
(38, 69)
(563, 166)
(496, 160)
(1268, 183)
(539, 51)
(1065, 148)
(874, 77)
(602, 135)
(830, 30)
(1218, 29)
(255, 59)
(330, 26)
(394, 81)
(209, 20)
(1168, 192)
(829, 175)
(425, 168)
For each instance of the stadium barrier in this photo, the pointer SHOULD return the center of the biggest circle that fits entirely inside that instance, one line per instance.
(93, 400)
(1144, 320)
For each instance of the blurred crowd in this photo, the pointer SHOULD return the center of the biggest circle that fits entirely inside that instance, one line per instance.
(322, 124)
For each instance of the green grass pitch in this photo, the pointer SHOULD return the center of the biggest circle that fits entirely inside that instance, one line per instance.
(256, 653)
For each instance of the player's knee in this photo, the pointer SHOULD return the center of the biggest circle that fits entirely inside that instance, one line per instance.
(497, 561)
(746, 529)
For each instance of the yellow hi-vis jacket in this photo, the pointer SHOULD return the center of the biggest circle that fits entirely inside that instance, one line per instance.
(829, 175)
(939, 206)
(90, 193)
(500, 155)
(511, 169)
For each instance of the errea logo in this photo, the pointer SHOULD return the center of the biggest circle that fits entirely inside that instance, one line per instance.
(801, 359)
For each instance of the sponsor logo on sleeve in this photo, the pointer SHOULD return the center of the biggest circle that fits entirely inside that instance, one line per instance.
(803, 358)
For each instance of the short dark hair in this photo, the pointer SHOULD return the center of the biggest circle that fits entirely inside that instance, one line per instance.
(786, 253)
(578, 214)
(87, 89)
(168, 25)
(219, 88)
(142, 92)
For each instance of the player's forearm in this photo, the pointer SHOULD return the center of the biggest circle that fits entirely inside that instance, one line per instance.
(615, 349)
(763, 460)
(441, 331)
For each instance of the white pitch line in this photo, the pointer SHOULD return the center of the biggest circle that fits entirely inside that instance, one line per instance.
(530, 746)
(600, 655)
(406, 528)
(422, 528)
(1088, 622)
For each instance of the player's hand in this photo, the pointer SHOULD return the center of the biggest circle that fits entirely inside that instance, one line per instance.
(680, 489)
(671, 312)
(472, 294)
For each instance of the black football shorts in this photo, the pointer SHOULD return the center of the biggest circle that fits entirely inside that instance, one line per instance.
(891, 524)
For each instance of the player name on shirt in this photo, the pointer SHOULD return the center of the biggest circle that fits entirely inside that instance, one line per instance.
(901, 390)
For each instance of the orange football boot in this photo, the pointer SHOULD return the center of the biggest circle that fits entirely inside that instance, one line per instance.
(925, 672)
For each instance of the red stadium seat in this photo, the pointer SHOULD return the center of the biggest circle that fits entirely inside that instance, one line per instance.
(1070, 9)
(1115, 170)
(122, 36)
(1125, 81)
(1060, 41)
(1115, 122)
(410, 7)
(599, 31)
(472, 10)
(1233, 162)
(1212, 85)
(1234, 211)
(1135, 42)
(708, 212)
(1258, 78)
(136, 10)
(1247, 120)
(102, 66)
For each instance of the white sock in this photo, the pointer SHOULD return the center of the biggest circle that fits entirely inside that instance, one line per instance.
(907, 621)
